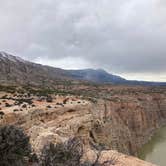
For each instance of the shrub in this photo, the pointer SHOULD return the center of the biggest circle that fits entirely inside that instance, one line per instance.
(49, 106)
(7, 105)
(15, 110)
(1, 114)
(14, 146)
(62, 154)
(49, 99)
(24, 106)
(33, 105)
(21, 101)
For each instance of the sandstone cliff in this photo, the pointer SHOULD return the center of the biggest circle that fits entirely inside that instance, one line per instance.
(128, 122)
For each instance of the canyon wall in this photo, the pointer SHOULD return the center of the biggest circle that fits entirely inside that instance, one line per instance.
(120, 122)
(128, 122)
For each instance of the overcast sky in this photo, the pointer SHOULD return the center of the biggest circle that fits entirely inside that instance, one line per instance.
(125, 37)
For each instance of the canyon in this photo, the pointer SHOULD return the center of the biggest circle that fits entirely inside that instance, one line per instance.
(120, 118)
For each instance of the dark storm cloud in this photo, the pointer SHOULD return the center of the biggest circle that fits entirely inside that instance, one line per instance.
(121, 36)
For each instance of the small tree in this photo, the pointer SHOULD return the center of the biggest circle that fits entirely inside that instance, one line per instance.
(14, 146)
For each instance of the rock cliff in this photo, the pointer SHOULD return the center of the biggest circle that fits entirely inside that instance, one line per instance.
(126, 123)
(120, 122)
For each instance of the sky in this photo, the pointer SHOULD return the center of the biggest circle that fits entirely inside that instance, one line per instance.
(127, 38)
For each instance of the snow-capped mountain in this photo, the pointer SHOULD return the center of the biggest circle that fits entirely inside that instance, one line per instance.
(5, 56)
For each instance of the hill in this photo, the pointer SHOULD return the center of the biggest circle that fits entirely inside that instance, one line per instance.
(15, 70)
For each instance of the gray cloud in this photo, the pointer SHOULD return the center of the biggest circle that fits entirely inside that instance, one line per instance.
(124, 37)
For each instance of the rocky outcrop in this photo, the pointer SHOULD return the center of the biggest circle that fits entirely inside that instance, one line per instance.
(126, 123)
(110, 158)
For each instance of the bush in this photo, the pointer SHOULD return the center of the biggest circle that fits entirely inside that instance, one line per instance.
(7, 105)
(49, 106)
(49, 99)
(1, 114)
(24, 106)
(63, 154)
(14, 146)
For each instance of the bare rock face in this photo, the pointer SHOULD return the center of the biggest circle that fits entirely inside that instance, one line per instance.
(128, 123)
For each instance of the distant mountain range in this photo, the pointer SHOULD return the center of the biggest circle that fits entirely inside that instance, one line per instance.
(101, 76)
(98, 76)
(16, 71)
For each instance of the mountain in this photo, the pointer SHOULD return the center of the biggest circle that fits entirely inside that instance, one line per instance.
(16, 71)
(98, 76)
(101, 76)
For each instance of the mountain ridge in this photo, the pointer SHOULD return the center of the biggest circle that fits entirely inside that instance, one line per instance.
(14, 69)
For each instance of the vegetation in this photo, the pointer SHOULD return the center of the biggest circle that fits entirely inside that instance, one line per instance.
(49, 99)
(9, 89)
(63, 154)
(15, 150)
(1, 114)
(14, 146)
(70, 154)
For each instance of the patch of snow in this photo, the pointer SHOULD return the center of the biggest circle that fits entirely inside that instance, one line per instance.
(4, 56)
